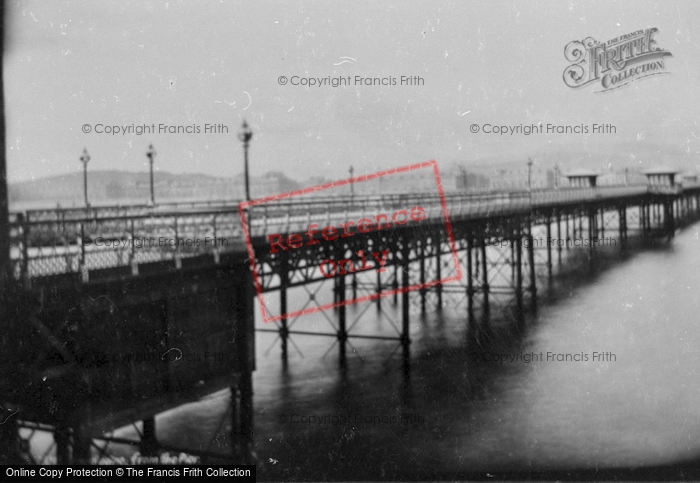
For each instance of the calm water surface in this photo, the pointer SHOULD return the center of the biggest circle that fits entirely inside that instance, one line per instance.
(454, 414)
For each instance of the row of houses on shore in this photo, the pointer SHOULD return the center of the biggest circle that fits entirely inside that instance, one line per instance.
(487, 179)
(121, 187)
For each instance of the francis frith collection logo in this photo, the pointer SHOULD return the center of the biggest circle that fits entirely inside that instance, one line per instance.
(615, 63)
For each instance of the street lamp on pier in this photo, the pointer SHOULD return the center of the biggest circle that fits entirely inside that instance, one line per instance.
(529, 180)
(464, 179)
(85, 159)
(245, 136)
(352, 185)
(151, 153)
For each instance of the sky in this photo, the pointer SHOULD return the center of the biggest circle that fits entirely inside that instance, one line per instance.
(184, 63)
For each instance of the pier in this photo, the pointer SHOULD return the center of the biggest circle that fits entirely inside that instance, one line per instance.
(119, 313)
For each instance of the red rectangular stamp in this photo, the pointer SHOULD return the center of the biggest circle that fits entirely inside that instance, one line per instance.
(349, 228)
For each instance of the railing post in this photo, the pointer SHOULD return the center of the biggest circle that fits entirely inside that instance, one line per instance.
(149, 442)
(249, 216)
(10, 452)
(61, 436)
(264, 227)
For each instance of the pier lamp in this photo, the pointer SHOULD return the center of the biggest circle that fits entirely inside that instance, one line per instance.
(85, 159)
(352, 185)
(245, 136)
(529, 174)
(464, 180)
(151, 153)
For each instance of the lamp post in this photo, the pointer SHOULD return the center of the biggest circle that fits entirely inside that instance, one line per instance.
(245, 136)
(352, 185)
(85, 159)
(529, 180)
(151, 153)
(464, 178)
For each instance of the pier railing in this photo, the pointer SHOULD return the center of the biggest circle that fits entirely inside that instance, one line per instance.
(50, 242)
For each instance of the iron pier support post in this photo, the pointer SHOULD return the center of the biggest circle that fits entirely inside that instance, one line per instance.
(549, 248)
(284, 283)
(559, 247)
(533, 274)
(379, 290)
(342, 322)
(592, 232)
(438, 272)
(397, 267)
(470, 286)
(519, 279)
(422, 290)
(580, 224)
(486, 308)
(670, 219)
(405, 315)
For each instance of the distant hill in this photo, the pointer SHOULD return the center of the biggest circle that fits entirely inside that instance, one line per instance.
(112, 186)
